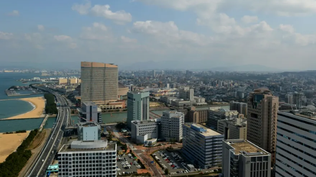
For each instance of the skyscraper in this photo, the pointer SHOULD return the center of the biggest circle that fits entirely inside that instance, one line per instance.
(262, 119)
(296, 145)
(137, 106)
(99, 82)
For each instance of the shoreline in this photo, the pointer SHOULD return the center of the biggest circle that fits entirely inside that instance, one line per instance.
(38, 104)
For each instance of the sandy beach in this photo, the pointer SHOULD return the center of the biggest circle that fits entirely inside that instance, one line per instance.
(38, 104)
(9, 143)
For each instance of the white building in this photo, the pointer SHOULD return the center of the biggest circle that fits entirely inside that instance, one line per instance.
(296, 145)
(141, 131)
(202, 146)
(89, 112)
(241, 158)
(171, 125)
(90, 131)
(83, 159)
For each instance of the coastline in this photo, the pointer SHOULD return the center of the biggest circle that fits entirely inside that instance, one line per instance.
(12, 142)
(38, 104)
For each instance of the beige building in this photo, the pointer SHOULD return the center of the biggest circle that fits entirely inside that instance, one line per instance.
(197, 115)
(235, 128)
(62, 81)
(99, 82)
(262, 120)
(73, 81)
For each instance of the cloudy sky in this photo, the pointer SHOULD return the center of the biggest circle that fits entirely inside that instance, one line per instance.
(188, 34)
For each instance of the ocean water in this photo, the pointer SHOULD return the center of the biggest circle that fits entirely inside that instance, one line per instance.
(13, 107)
(20, 124)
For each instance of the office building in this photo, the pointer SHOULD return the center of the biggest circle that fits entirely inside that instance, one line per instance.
(202, 146)
(99, 82)
(262, 119)
(242, 158)
(299, 99)
(62, 81)
(197, 115)
(296, 145)
(239, 106)
(171, 125)
(186, 94)
(218, 113)
(89, 112)
(235, 128)
(141, 131)
(137, 106)
(89, 131)
(87, 158)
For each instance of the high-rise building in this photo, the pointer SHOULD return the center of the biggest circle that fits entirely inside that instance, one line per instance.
(137, 106)
(88, 155)
(239, 106)
(87, 158)
(202, 146)
(296, 145)
(235, 128)
(171, 125)
(218, 113)
(298, 98)
(187, 94)
(141, 131)
(89, 112)
(262, 119)
(99, 82)
(242, 158)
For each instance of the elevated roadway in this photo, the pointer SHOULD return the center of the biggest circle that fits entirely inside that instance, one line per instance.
(47, 155)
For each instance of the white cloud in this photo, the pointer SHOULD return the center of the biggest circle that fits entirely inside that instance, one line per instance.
(40, 27)
(98, 31)
(249, 19)
(14, 13)
(207, 7)
(5, 36)
(128, 40)
(62, 38)
(119, 17)
(82, 9)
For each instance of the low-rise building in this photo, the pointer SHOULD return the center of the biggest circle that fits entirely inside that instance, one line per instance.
(141, 131)
(234, 128)
(202, 146)
(218, 113)
(89, 131)
(242, 158)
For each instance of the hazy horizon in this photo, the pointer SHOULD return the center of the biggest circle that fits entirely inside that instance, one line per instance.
(179, 34)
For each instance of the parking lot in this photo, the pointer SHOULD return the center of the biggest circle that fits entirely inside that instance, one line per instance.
(176, 164)
(126, 164)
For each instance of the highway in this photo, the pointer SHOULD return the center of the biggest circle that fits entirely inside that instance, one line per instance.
(50, 149)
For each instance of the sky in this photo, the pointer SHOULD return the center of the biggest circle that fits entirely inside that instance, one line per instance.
(162, 34)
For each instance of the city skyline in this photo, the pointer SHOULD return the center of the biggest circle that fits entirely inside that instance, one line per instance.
(187, 34)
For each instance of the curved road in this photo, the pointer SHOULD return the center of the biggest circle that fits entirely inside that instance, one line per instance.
(50, 149)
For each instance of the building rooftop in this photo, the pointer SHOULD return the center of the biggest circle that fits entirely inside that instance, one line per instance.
(302, 114)
(203, 130)
(144, 121)
(246, 147)
(87, 124)
(77, 146)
